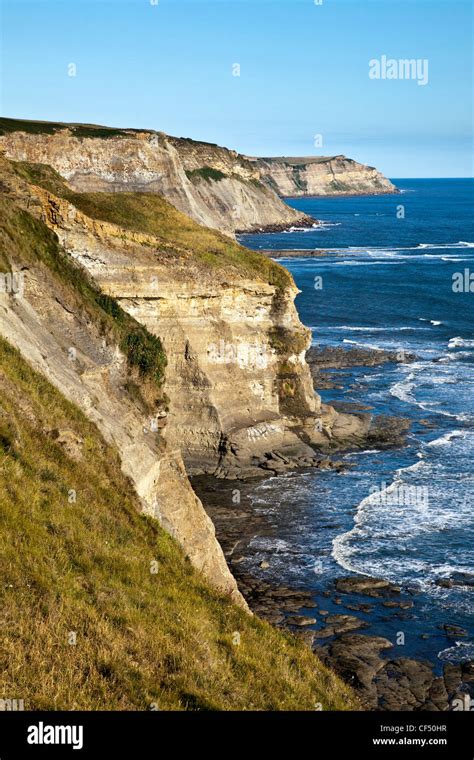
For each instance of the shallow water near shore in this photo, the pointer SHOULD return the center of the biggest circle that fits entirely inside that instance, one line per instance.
(402, 514)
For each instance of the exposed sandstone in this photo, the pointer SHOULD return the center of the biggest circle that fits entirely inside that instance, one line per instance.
(217, 187)
(240, 391)
(230, 198)
(321, 175)
(43, 324)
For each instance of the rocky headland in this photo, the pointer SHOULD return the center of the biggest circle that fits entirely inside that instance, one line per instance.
(237, 395)
(215, 186)
(321, 175)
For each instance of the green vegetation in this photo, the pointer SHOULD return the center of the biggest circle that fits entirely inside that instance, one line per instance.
(299, 181)
(26, 240)
(175, 232)
(145, 352)
(339, 187)
(50, 127)
(205, 172)
(86, 624)
(287, 342)
(190, 141)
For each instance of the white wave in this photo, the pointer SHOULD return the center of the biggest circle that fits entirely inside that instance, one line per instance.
(414, 467)
(355, 328)
(459, 244)
(384, 249)
(460, 343)
(363, 345)
(359, 453)
(316, 227)
(461, 651)
(426, 406)
(403, 389)
(393, 514)
(446, 439)
(436, 322)
(454, 357)
(301, 229)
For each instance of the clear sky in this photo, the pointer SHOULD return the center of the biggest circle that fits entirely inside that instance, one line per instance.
(304, 71)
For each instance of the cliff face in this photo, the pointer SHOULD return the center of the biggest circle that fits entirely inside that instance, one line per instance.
(321, 175)
(48, 325)
(217, 187)
(240, 394)
(151, 632)
(241, 399)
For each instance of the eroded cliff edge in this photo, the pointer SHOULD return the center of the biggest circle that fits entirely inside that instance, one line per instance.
(321, 175)
(237, 398)
(215, 186)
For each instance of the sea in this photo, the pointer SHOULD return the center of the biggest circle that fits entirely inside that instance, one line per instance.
(396, 273)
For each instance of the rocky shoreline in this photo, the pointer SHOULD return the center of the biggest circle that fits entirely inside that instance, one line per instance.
(369, 663)
(324, 362)
(331, 620)
(298, 224)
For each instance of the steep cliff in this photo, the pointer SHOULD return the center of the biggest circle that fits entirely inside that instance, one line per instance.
(236, 396)
(319, 175)
(78, 339)
(241, 399)
(100, 608)
(180, 351)
(216, 187)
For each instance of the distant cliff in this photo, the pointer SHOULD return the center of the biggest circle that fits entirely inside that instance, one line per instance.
(319, 175)
(217, 187)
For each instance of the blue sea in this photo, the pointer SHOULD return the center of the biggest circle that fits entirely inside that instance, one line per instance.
(387, 283)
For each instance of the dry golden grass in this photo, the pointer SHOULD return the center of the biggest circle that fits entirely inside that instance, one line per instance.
(152, 214)
(142, 639)
(85, 623)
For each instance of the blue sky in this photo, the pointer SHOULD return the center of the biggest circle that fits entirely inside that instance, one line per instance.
(304, 71)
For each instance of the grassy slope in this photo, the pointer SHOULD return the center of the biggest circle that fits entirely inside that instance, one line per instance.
(141, 638)
(50, 127)
(26, 241)
(152, 214)
(84, 567)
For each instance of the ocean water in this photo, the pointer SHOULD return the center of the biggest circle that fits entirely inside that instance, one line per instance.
(403, 514)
